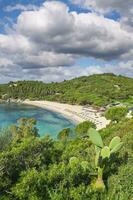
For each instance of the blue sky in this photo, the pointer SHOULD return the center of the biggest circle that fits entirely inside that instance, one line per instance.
(14, 14)
(5, 16)
(94, 38)
(9, 17)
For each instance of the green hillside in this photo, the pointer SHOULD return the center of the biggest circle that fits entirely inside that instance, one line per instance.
(96, 90)
(38, 168)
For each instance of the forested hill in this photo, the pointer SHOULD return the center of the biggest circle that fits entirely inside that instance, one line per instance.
(95, 89)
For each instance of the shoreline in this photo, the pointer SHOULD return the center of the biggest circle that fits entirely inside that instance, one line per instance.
(59, 108)
(75, 113)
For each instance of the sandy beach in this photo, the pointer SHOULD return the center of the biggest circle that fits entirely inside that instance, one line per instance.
(75, 113)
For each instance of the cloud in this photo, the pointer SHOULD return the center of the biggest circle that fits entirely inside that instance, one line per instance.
(56, 29)
(66, 73)
(45, 59)
(125, 8)
(45, 43)
(106, 6)
(20, 7)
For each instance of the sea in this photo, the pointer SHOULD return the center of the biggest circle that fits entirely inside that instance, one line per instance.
(48, 123)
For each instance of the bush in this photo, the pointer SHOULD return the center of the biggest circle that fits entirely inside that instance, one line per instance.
(123, 187)
(116, 113)
(36, 168)
(6, 138)
(82, 128)
(64, 134)
(31, 186)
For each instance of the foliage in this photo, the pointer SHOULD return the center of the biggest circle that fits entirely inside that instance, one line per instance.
(34, 168)
(116, 113)
(64, 134)
(99, 90)
(25, 128)
(6, 138)
(82, 128)
(102, 154)
(123, 186)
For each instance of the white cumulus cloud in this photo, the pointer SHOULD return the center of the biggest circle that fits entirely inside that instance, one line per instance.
(48, 40)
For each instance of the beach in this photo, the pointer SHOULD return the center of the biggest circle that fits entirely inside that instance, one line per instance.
(76, 113)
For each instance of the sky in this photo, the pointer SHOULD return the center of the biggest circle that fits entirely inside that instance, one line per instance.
(59, 40)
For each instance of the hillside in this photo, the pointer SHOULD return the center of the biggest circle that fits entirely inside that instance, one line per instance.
(96, 90)
(37, 168)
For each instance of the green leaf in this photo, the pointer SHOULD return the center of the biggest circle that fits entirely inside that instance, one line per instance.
(117, 147)
(85, 165)
(114, 142)
(95, 137)
(73, 161)
(97, 149)
(105, 152)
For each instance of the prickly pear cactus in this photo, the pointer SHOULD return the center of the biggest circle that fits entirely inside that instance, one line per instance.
(105, 152)
(99, 185)
(115, 144)
(115, 141)
(95, 137)
(102, 152)
(117, 147)
(98, 150)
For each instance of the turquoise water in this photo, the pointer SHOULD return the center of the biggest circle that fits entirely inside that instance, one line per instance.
(47, 122)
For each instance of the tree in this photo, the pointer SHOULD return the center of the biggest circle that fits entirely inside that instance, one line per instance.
(6, 138)
(25, 128)
(64, 134)
(31, 186)
(82, 128)
(36, 168)
(116, 113)
(99, 90)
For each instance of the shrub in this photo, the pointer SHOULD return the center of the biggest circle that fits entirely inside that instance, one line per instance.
(123, 187)
(64, 134)
(116, 113)
(82, 128)
(36, 168)
(6, 138)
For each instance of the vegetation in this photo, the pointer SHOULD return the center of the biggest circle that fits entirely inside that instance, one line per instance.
(79, 131)
(76, 166)
(115, 114)
(64, 134)
(34, 168)
(98, 90)
(102, 154)
(6, 138)
(82, 128)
